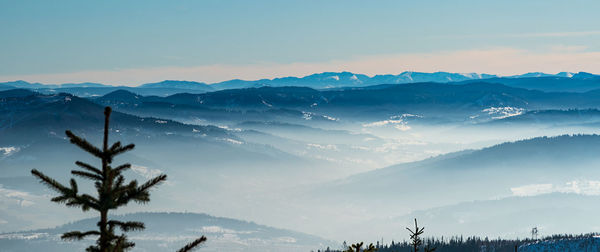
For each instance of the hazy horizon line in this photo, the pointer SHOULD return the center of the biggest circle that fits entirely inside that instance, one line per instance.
(3, 81)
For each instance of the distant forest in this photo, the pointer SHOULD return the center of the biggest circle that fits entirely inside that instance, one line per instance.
(468, 244)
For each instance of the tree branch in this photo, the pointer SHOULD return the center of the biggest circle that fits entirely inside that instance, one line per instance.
(89, 167)
(117, 170)
(50, 182)
(192, 245)
(127, 226)
(120, 150)
(84, 144)
(86, 175)
(76, 235)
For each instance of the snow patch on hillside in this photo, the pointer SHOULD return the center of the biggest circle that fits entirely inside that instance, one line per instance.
(307, 115)
(399, 122)
(332, 147)
(335, 77)
(23, 236)
(331, 118)
(225, 127)
(219, 230)
(583, 187)
(382, 123)
(503, 112)
(266, 103)
(232, 141)
(7, 151)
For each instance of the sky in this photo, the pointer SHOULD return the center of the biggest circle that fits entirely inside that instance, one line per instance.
(135, 42)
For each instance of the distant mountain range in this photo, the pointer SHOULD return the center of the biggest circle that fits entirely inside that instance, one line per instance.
(563, 81)
(348, 79)
(456, 102)
(479, 101)
(192, 85)
(25, 84)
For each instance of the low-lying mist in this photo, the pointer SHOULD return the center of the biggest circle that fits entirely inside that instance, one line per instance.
(494, 171)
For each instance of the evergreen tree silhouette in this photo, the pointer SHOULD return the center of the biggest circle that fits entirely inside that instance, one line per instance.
(112, 192)
(415, 237)
(358, 246)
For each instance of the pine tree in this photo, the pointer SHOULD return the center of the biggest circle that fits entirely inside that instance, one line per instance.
(112, 192)
(415, 237)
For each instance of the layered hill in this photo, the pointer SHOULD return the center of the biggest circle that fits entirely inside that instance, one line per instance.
(432, 100)
(170, 231)
(527, 167)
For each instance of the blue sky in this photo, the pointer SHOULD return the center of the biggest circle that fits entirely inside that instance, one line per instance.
(130, 42)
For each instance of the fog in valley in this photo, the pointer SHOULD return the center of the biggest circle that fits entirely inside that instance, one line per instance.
(340, 164)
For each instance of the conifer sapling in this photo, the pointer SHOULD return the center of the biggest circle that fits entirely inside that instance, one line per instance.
(112, 192)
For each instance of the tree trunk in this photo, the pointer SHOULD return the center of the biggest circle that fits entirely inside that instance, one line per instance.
(103, 231)
(104, 239)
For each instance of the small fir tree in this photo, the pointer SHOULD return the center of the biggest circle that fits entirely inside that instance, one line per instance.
(415, 237)
(112, 192)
